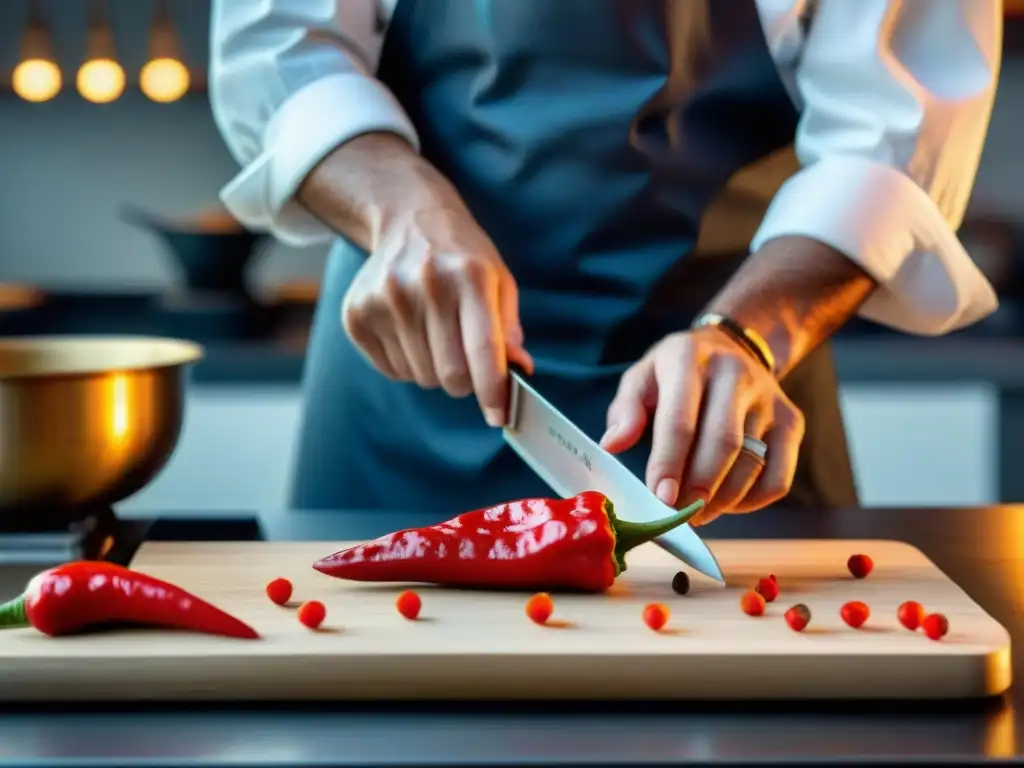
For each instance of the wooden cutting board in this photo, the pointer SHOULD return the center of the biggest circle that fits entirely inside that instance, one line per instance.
(477, 645)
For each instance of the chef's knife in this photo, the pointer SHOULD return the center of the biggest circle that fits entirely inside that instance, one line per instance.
(570, 462)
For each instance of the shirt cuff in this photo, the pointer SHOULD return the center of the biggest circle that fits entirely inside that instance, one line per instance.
(307, 127)
(881, 219)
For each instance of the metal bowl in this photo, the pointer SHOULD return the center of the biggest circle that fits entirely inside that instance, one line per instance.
(87, 421)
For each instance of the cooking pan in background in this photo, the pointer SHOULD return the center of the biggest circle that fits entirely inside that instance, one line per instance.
(86, 422)
(212, 251)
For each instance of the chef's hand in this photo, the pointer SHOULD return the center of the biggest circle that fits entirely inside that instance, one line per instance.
(703, 392)
(435, 304)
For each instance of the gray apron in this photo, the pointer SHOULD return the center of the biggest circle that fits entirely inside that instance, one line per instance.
(598, 143)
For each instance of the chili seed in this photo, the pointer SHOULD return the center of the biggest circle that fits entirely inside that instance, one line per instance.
(312, 614)
(860, 565)
(910, 614)
(656, 615)
(279, 591)
(855, 613)
(752, 603)
(409, 605)
(767, 589)
(540, 607)
(798, 617)
(935, 626)
(681, 583)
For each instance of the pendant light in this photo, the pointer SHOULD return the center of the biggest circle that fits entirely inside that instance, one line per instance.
(37, 77)
(164, 78)
(100, 79)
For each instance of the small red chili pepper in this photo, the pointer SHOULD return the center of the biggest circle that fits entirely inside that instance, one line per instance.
(935, 625)
(86, 594)
(798, 617)
(409, 605)
(768, 589)
(312, 614)
(546, 544)
(752, 603)
(855, 613)
(656, 615)
(279, 591)
(540, 607)
(910, 614)
(860, 565)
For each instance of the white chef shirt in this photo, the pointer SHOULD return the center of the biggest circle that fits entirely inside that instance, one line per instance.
(895, 99)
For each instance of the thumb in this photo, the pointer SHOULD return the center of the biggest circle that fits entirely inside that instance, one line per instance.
(628, 413)
(508, 307)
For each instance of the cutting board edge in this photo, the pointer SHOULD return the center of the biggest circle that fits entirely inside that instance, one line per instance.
(641, 677)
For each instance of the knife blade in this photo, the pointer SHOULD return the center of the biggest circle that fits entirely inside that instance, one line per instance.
(570, 462)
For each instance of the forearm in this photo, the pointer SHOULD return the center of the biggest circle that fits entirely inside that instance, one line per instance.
(368, 181)
(795, 292)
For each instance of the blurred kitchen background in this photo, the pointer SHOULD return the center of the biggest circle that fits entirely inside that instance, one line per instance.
(109, 223)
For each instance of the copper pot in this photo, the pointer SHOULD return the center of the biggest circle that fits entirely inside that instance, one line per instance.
(87, 421)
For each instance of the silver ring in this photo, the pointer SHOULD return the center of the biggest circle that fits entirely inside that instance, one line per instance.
(756, 448)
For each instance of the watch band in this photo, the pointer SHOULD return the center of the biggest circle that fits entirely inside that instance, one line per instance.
(748, 338)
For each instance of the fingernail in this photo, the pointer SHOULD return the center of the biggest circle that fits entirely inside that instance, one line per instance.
(494, 417)
(668, 491)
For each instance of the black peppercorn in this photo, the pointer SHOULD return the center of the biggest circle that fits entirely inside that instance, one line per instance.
(681, 583)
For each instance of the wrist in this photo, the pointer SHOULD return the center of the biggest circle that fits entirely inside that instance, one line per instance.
(794, 293)
(369, 184)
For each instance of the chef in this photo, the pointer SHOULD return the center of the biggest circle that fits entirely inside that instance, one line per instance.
(661, 209)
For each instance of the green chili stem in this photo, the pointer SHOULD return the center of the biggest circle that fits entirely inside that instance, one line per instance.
(13, 614)
(629, 535)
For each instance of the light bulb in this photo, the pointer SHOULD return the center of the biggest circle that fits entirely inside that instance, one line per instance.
(164, 80)
(100, 81)
(36, 80)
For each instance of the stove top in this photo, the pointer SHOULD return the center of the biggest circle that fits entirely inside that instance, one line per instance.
(50, 539)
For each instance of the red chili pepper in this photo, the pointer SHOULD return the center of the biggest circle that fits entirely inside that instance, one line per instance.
(543, 544)
(87, 594)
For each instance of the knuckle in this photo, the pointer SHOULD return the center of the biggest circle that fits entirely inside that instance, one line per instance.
(353, 320)
(396, 290)
(730, 444)
(678, 433)
(791, 416)
(455, 380)
(482, 347)
(775, 488)
(665, 465)
(475, 273)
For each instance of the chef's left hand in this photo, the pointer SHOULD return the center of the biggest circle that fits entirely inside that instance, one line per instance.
(703, 392)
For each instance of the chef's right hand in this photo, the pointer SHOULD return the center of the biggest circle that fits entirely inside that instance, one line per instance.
(435, 304)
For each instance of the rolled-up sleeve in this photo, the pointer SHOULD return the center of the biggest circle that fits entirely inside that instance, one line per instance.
(896, 98)
(291, 80)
